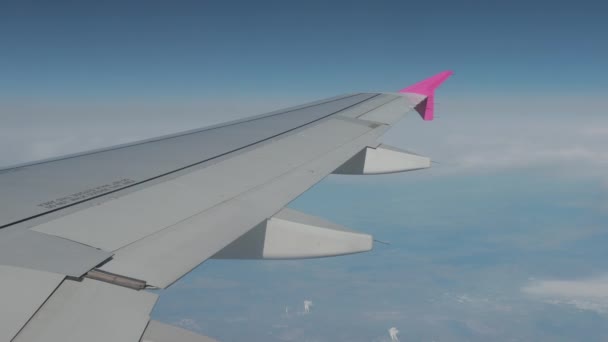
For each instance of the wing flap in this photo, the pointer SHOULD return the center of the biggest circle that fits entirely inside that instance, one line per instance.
(22, 293)
(91, 311)
(38, 251)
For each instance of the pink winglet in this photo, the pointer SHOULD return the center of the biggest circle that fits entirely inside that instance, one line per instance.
(427, 87)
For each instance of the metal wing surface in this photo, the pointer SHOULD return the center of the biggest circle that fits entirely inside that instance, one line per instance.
(82, 237)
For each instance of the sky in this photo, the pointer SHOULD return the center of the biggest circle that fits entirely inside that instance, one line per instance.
(503, 239)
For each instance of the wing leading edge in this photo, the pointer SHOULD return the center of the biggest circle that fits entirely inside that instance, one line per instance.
(145, 214)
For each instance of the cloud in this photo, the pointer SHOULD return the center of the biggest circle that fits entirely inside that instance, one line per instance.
(586, 294)
(497, 133)
(480, 303)
(188, 323)
(473, 134)
(307, 305)
(393, 333)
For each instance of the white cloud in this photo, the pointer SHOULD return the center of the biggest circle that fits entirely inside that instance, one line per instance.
(307, 305)
(495, 303)
(585, 294)
(495, 133)
(188, 323)
(393, 333)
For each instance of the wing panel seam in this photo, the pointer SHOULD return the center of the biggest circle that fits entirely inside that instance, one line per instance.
(187, 166)
(167, 137)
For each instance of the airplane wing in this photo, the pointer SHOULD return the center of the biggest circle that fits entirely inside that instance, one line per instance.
(83, 237)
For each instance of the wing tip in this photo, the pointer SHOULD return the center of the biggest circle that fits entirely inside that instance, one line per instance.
(427, 87)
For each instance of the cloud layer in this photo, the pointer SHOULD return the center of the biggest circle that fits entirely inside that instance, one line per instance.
(494, 133)
(585, 294)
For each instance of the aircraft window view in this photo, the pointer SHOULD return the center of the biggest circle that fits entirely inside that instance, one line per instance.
(361, 171)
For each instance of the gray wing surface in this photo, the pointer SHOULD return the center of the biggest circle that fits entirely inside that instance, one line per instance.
(83, 236)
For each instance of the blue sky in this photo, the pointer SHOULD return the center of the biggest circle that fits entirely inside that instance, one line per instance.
(503, 240)
(195, 49)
